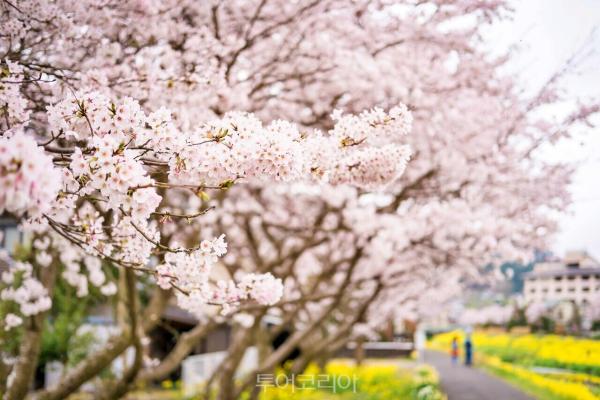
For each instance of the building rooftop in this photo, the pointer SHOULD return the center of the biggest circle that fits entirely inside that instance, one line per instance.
(575, 263)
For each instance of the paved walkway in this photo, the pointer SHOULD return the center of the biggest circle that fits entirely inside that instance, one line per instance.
(467, 383)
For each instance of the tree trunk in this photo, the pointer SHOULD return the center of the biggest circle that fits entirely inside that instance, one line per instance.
(30, 347)
(242, 340)
(94, 363)
(116, 390)
(359, 352)
(182, 349)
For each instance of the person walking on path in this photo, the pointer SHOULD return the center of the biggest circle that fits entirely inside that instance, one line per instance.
(468, 350)
(454, 350)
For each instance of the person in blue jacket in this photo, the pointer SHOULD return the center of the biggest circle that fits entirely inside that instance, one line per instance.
(468, 350)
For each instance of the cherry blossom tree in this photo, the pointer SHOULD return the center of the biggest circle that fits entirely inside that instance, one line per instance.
(136, 134)
(476, 191)
(91, 173)
(591, 312)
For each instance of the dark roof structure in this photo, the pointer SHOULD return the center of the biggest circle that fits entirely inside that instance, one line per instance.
(174, 313)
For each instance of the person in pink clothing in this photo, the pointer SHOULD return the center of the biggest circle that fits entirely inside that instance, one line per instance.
(454, 350)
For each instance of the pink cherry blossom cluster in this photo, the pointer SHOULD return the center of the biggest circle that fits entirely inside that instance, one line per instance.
(39, 15)
(22, 289)
(190, 273)
(100, 193)
(371, 168)
(112, 170)
(592, 312)
(375, 125)
(235, 146)
(29, 182)
(190, 270)
(121, 141)
(494, 314)
(15, 110)
(265, 289)
(11, 321)
(239, 146)
(89, 113)
(536, 310)
(362, 150)
(80, 267)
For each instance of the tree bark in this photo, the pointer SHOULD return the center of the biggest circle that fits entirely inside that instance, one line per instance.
(227, 369)
(339, 338)
(116, 390)
(91, 366)
(94, 363)
(30, 347)
(359, 352)
(182, 349)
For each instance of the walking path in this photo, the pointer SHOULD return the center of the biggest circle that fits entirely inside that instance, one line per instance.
(467, 383)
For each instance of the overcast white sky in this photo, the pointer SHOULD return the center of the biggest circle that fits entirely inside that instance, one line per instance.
(549, 32)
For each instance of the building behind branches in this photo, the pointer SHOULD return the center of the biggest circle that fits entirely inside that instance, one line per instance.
(576, 278)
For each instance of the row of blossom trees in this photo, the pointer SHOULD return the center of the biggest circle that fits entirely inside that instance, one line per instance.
(160, 151)
(539, 316)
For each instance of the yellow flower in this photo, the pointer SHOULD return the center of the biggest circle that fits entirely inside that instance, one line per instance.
(577, 360)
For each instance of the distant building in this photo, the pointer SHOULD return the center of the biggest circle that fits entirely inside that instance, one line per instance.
(576, 279)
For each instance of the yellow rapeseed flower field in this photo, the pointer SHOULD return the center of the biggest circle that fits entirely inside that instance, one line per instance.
(558, 387)
(574, 362)
(565, 352)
